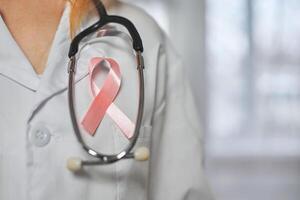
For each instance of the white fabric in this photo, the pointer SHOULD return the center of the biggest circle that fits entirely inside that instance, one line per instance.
(170, 125)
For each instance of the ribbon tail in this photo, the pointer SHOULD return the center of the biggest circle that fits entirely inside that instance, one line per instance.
(95, 114)
(122, 121)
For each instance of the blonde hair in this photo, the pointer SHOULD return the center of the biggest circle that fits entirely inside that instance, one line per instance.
(79, 10)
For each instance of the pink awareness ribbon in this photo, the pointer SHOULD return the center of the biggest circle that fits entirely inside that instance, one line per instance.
(104, 97)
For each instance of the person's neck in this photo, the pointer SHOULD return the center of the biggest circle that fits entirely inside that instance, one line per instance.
(31, 7)
(33, 24)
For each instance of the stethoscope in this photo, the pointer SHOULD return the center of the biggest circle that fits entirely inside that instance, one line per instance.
(141, 153)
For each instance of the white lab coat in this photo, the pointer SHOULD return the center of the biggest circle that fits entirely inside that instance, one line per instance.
(33, 168)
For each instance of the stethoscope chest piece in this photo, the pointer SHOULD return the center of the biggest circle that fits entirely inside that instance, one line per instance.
(75, 164)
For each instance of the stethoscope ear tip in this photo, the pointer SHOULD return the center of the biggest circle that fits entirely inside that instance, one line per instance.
(141, 154)
(74, 164)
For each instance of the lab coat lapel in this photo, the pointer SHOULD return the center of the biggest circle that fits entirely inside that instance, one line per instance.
(55, 77)
(13, 63)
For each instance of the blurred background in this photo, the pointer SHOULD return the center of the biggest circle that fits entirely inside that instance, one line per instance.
(243, 59)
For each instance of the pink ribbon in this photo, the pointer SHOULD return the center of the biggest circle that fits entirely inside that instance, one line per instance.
(104, 97)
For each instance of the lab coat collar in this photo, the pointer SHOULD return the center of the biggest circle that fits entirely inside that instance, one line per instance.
(15, 65)
(13, 62)
(55, 77)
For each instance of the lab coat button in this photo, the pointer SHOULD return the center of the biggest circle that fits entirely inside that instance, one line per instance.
(40, 136)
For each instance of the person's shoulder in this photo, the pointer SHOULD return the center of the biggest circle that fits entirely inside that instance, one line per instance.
(145, 24)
